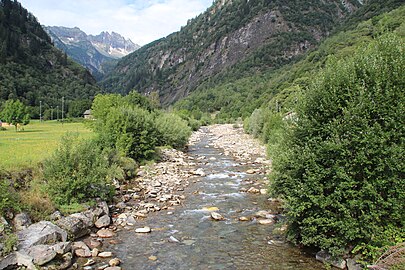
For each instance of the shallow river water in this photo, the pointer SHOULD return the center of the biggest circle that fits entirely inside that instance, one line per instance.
(207, 244)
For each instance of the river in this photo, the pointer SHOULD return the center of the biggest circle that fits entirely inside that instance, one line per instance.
(188, 238)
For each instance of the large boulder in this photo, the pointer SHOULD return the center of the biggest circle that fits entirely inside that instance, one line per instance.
(41, 254)
(43, 232)
(75, 226)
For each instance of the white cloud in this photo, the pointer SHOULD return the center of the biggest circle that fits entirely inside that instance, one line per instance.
(142, 21)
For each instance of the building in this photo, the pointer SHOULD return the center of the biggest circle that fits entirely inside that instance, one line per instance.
(87, 115)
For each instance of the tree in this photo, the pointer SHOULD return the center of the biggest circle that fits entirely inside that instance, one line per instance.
(15, 113)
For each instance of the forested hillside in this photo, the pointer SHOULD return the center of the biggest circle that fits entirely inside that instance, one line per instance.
(280, 89)
(231, 39)
(32, 70)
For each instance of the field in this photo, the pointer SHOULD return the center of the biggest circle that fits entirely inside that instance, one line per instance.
(38, 141)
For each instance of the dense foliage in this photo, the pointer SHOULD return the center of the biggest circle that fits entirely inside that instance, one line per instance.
(31, 69)
(341, 168)
(78, 172)
(133, 125)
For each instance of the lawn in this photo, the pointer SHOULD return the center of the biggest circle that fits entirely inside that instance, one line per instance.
(38, 141)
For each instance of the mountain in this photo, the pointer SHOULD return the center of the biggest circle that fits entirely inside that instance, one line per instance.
(282, 89)
(97, 53)
(233, 38)
(32, 69)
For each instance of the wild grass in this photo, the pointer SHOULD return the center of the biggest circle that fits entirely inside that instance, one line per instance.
(35, 143)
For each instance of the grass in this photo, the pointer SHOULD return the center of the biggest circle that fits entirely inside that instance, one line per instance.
(38, 141)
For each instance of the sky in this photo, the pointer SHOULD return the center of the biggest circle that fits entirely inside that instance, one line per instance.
(142, 21)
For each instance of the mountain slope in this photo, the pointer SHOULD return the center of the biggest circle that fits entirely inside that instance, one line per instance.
(31, 69)
(281, 89)
(97, 53)
(262, 34)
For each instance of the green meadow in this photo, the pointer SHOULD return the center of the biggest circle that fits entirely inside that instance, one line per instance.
(35, 143)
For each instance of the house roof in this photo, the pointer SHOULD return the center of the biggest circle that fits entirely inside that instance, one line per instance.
(87, 112)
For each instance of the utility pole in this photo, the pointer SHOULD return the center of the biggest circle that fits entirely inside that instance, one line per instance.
(40, 111)
(51, 113)
(57, 113)
(63, 101)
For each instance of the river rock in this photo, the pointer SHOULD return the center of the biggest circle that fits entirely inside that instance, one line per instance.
(22, 221)
(216, 216)
(94, 243)
(41, 254)
(105, 254)
(94, 252)
(244, 219)
(105, 233)
(43, 232)
(251, 171)
(87, 217)
(113, 268)
(104, 206)
(74, 226)
(264, 214)
(173, 239)
(131, 221)
(198, 172)
(89, 262)
(325, 257)
(253, 190)
(152, 258)
(81, 249)
(103, 221)
(263, 191)
(62, 247)
(266, 221)
(17, 259)
(143, 230)
(114, 262)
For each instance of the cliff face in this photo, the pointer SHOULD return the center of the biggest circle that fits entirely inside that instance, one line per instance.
(97, 53)
(232, 36)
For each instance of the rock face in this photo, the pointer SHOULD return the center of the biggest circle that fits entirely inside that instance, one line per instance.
(96, 53)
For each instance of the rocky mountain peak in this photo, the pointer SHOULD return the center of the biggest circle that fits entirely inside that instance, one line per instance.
(95, 52)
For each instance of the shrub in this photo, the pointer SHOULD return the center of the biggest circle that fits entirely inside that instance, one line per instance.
(130, 130)
(8, 197)
(77, 172)
(172, 130)
(342, 173)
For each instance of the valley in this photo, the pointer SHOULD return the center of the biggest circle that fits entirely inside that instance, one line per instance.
(260, 135)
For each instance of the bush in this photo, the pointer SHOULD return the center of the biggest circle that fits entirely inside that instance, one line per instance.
(8, 197)
(77, 172)
(172, 130)
(342, 171)
(130, 130)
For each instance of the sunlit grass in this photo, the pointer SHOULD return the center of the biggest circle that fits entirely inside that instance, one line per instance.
(38, 141)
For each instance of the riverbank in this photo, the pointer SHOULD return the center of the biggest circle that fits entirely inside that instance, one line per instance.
(208, 200)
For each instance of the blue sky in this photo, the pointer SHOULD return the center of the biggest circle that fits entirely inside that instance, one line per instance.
(142, 21)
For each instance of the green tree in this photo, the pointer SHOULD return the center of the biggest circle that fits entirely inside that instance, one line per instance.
(15, 113)
(342, 169)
